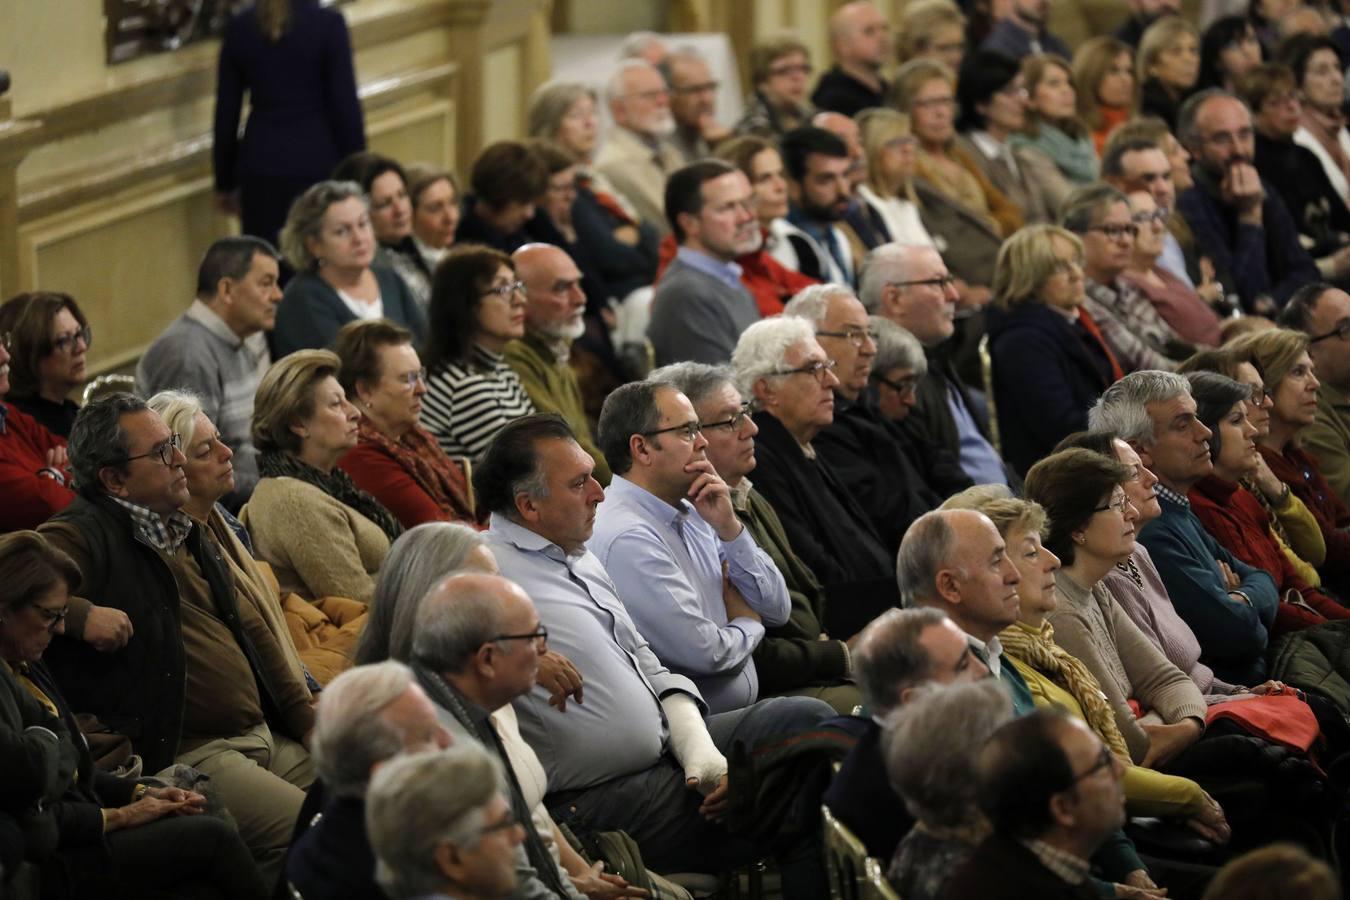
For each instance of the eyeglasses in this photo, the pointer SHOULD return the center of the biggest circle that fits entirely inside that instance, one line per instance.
(1015, 90)
(52, 617)
(934, 103)
(1105, 760)
(1116, 232)
(730, 425)
(790, 69)
(67, 341)
(508, 820)
(1119, 504)
(506, 291)
(817, 370)
(1229, 138)
(1144, 218)
(409, 379)
(686, 431)
(1261, 395)
(904, 387)
(1342, 330)
(706, 87)
(540, 637)
(165, 451)
(855, 336)
(942, 281)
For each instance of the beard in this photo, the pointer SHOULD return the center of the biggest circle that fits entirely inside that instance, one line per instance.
(569, 330)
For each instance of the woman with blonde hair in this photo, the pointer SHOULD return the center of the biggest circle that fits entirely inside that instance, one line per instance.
(932, 29)
(888, 190)
(1052, 123)
(1167, 67)
(1103, 72)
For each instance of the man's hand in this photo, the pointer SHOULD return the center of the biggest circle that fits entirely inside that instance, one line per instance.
(560, 678)
(57, 458)
(1241, 189)
(712, 498)
(737, 608)
(1166, 741)
(192, 801)
(145, 810)
(598, 884)
(107, 629)
(714, 806)
(1230, 579)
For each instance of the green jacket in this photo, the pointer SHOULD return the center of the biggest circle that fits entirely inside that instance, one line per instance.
(792, 656)
(1327, 439)
(552, 387)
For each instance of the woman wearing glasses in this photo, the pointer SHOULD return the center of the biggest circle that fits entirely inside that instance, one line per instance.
(477, 308)
(1052, 125)
(1194, 320)
(395, 459)
(329, 239)
(49, 338)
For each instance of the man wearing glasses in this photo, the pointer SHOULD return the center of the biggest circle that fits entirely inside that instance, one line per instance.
(637, 155)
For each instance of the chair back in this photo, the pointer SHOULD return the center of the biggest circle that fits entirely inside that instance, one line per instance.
(875, 885)
(107, 384)
(987, 375)
(845, 859)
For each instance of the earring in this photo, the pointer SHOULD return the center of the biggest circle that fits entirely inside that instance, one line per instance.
(1078, 539)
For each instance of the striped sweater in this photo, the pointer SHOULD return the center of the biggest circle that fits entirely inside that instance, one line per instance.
(466, 405)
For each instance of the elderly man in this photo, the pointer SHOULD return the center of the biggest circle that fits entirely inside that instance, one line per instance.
(810, 240)
(867, 457)
(798, 657)
(1238, 223)
(779, 363)
(1322, 311)
(1229, 605)
(638, 754)
(637, 156)
(218, 348)
(910, 285)
(201, 680)
(698, 588)
(860, 38)
(555, 305)
(438, 825)
(693, 103)
(1021, 32)
(365, 716)
(701, 307)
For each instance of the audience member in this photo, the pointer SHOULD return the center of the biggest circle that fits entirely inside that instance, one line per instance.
(1316, 63)
(860, 38)
(366, 716)
(395, 459)
(1178, 305)
(1229, 605)
(49, 338)
(477, 309)
(329, 241)
(438, 824)
(1049, 359)
(780, 70)
(1228, 51)
(391, 218)
(701, 307)
(886, 196)
(506, 181)
(322, 535)
(1052, 123)
(1241, 226)
(1020, 31)
(1103, 75)
(645, 45)
(217, 349)
(693, 103)
(436, 214)
(638, 753)
(552, 222)
(34, 473)
(846, 129)
(1144, 13)
(932, 29)
(1273, 872)
(195, 669)
(779, 363)
(637, 156)
(798, 657)
(1322, 312)
(1167, 66)
(810, 240)
(896, 370)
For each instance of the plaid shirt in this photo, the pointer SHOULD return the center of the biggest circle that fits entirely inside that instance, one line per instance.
(1061, 863)
(1172, 496)
(161, 534)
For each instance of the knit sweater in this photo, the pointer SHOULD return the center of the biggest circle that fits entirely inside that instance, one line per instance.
(552, 387)
(30, 498)
(1091, 625)
(467, 403)
(1298, 470)
(317, 545)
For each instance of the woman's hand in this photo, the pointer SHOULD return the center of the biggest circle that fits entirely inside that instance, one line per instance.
(1211, 824)
(1166, 741)
(597, 884)
(146, 810)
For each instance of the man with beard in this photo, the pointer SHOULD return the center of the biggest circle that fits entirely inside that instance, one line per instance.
(701, 307)
(637, 156)
(554, 308)
(818, 166)
(1021, 32)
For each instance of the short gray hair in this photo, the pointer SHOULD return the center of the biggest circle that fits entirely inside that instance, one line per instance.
(419, 560)
(305, 219)
(889, 656)
(1085, 205)
(616, 85)
(97, 439)
(418, 802)
(1123, 407)
(454, 619)
(813, 303)
(697, 381)
(762, 347)
(883, 264)
(925, 550)
(896, 348)
(350, 735)
(1188, 130)
(179, 411)
(550, 104)
(930, 745)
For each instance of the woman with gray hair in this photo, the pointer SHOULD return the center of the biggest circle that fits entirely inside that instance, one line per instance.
(329, 240)
(896, 369)
(930, 744)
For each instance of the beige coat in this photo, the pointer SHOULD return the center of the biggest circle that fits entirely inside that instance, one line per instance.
(631, 166)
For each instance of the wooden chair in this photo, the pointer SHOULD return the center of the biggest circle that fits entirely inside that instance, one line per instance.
(845, 859)
(875, 885)
(987, 374)
(108, 384)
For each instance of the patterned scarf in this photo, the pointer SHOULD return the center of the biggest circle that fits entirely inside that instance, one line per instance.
(1037, 648)
(419, 454)
(336, 484)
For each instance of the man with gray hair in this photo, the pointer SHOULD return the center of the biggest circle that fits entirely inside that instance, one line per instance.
(693, 103)
(438, 824)
(637, 155)
(366, 715)
(1228, 604)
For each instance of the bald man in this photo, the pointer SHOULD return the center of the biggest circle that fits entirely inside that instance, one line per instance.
(553, 320)
(861, 40)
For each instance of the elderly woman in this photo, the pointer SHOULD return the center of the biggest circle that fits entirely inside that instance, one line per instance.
(1058, 679)
(34, 478)
(1092, 527)
(1049, 360)
(322, 535)
(111, 833)
(925, 90)
(1103, 71)
(434, 194)
(49, 340)
(1052, 124)
(1138, 336)
(1318, 70)
(329, 240)
(896, 369)
(1191, 318)
(780, 70)
(930, 746)
(932, 29)
(396, 460)
(993, 98)
(391, 218)
(477, 308)
(1167, 67)
(1229, 49)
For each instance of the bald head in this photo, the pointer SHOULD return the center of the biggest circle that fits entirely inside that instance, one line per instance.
(860, 36)
(555, 300)
(956, 560)
(467, 628)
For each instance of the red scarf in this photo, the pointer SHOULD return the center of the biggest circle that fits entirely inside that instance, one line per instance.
(418, 452)
(1091, 328)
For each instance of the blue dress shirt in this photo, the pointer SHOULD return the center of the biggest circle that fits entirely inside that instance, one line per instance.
(979, 460)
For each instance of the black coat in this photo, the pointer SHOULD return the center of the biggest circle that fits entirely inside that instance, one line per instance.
(861, 796)
(1297, 175)
(1002, 868)
(333, 857)
(837, 91)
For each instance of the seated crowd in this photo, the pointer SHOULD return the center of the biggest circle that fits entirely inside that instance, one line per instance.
(963, 445)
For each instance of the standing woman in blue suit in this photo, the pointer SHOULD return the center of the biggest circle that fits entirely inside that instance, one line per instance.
(294, 59)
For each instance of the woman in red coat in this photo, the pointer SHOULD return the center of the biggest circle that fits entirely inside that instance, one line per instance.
(34, 481)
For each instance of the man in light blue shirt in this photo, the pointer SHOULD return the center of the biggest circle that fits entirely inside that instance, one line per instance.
(691, 576)
(637, 753)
